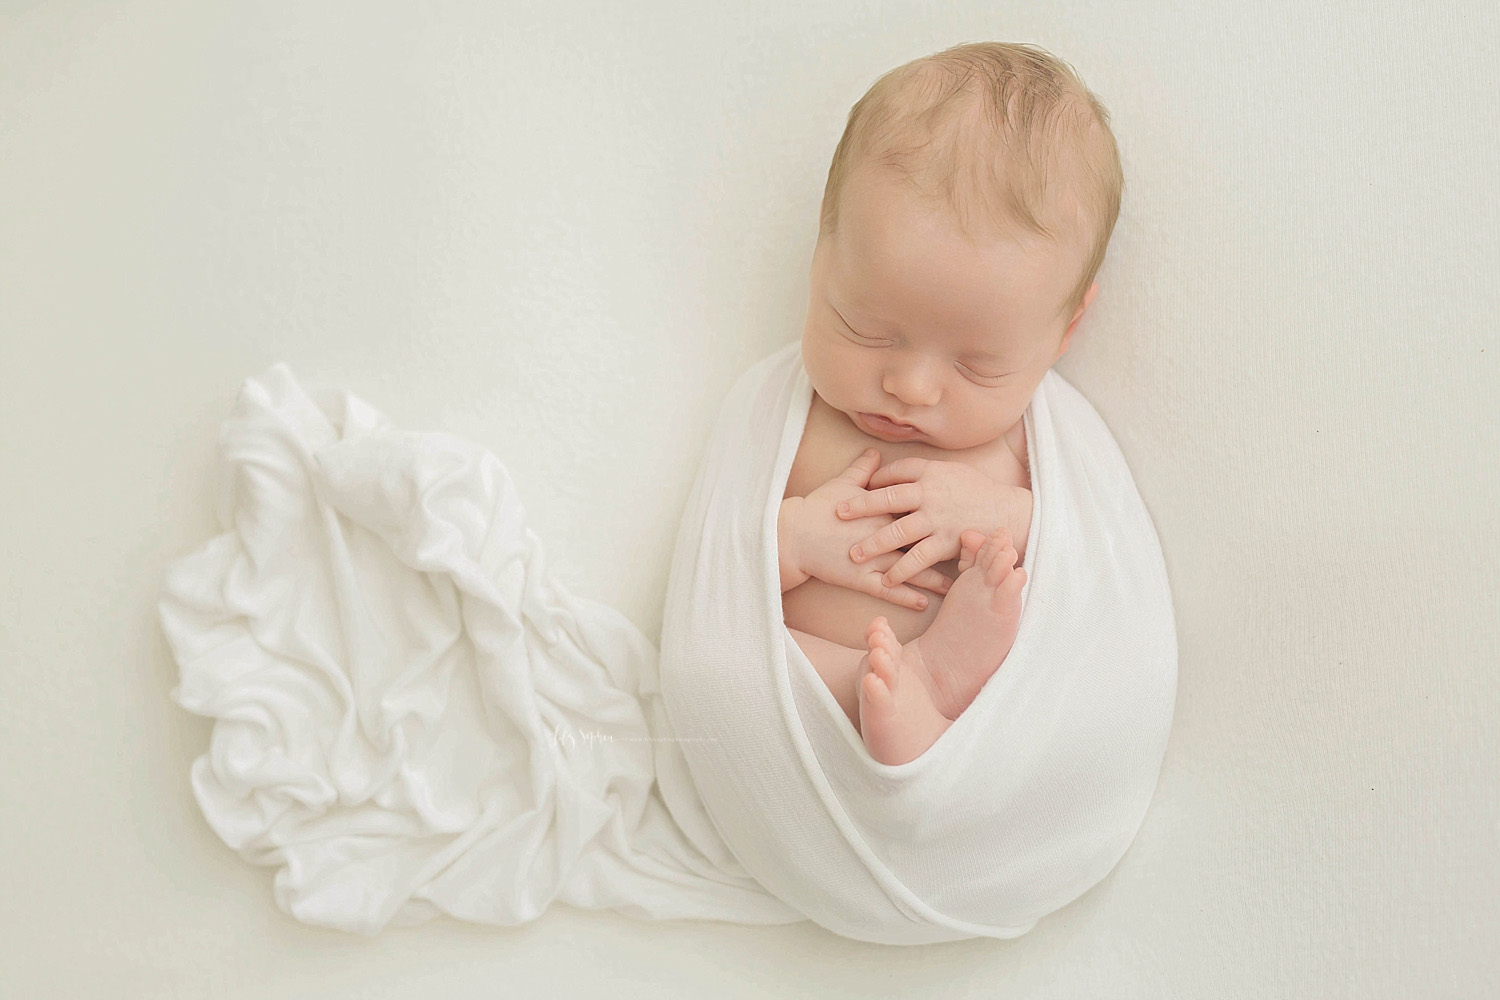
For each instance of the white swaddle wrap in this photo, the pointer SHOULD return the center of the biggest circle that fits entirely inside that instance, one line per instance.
(414, 718)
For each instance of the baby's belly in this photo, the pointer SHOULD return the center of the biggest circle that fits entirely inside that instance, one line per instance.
(843, 616)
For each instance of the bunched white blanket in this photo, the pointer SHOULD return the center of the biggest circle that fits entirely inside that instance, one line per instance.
(414, 717)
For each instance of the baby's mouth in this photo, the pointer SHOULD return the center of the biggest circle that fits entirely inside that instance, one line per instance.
(879, 424)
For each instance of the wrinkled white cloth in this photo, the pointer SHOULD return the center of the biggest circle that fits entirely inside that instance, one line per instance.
(413, 717)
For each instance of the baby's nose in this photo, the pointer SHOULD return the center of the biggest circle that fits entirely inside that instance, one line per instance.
(916, 385)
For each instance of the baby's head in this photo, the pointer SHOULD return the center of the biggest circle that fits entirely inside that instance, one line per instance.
(966, 214)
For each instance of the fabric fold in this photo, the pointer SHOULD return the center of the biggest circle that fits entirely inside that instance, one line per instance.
(414, 717)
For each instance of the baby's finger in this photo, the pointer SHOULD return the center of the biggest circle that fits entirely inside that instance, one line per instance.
(902, 470)
(906, 531)
(904, 596)
(933, 580)
(896, 499)
(918, 558)
(860, 469)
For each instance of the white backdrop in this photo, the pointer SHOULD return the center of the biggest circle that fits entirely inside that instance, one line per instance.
(1294, 342)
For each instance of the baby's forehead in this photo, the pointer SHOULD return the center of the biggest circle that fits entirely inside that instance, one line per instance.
(1009, 274)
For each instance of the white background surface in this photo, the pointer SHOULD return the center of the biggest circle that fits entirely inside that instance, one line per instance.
(1294, 344)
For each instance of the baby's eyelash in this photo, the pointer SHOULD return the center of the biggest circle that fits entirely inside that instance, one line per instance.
(965, 367)
(977, 375)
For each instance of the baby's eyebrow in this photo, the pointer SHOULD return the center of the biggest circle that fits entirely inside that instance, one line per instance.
(984, 356)
(985, 336)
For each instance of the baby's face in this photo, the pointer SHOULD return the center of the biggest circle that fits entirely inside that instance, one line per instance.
(908, 321)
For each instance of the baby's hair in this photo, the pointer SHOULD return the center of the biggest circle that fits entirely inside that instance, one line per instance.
(1048, 162)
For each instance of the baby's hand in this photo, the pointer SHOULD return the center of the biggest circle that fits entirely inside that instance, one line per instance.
(824, 541)
(945, 499)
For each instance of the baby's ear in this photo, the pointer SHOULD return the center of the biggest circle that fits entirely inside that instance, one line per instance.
(1088, 298)
(1062, 347)
(1067, 337)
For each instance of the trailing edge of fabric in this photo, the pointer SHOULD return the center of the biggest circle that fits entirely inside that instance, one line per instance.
(413, 717)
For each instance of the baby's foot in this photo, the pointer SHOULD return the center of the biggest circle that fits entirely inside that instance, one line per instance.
(976, 625)
(896, 715)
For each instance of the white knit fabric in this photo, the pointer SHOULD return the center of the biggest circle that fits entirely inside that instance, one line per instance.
(414, 717)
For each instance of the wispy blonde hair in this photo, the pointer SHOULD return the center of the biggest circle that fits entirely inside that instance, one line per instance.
(1009, 136)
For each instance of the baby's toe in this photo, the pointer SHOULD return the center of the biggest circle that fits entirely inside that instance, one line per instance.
(1007, 593)
(969, 545)
(883, 665)
(987, 550)
(876, 695)
(1003, 563)
(880, 636)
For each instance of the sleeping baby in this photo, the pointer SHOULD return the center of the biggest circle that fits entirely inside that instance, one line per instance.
(967, 211)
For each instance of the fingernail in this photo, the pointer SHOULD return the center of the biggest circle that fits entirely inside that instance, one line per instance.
(921, 602)
(844, 508)
(858, 553)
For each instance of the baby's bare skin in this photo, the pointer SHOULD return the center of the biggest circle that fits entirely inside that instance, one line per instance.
(909, 695)
(951, 647)
(902, 696)
(911, 319)
(829, 444)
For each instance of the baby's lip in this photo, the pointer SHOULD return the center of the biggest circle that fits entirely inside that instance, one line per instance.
(870, 423)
